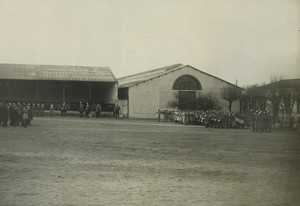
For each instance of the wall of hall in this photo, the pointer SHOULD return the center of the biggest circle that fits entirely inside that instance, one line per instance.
(145, 98)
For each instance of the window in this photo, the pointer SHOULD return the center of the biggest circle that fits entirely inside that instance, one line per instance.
(187, 82)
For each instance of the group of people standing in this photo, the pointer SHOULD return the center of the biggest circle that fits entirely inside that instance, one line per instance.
(17, 114)
(259, 121)
(87, 110)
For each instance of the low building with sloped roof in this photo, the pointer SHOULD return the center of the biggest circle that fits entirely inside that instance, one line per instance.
(145, 92)
(283, 100)
(55, 83)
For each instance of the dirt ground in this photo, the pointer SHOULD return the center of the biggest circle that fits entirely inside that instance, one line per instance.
(72, 161)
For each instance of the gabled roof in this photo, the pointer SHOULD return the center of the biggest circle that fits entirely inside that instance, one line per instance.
(136, 79)
(285, 83)
(56, 72)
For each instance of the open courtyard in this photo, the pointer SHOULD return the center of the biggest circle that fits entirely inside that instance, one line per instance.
(73, 161)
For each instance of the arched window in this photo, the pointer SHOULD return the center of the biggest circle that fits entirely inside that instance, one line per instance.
(187, 82)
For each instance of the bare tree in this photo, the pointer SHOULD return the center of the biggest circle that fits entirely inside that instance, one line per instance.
(231, 94)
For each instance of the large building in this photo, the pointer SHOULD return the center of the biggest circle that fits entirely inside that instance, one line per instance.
(143, 93)
(56, 84)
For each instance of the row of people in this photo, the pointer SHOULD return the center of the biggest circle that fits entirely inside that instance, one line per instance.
(87, 110)
(16, 114)
(260, 121)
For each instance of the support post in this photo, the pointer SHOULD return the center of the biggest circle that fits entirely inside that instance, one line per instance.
(36, 90)
(64, 92)
(9, 89)
(90, 87)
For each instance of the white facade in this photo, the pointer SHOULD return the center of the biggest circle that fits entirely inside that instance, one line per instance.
(144, 98)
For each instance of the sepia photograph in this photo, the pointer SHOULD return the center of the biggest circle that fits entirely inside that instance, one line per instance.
(161, 102)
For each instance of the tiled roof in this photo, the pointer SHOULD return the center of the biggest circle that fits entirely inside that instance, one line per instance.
(56, 72)
(135, 79)
(140, 77)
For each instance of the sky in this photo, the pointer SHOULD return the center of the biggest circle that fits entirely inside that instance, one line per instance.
(250, 41)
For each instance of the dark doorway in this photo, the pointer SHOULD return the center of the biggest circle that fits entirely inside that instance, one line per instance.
(187, 99)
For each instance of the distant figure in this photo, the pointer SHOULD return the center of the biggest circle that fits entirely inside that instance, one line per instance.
(158, 115)
(116, 112)
(185, 118)
(25, 115)
(87, 110)
(5, 114)
(98, 110)
(38, 110)
(33, 108)
(63, 110)
(30, 116)
(51, 110)
(80, 109)
(42, 110)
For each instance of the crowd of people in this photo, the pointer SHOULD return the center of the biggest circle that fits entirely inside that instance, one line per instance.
(21, 114)
(87, 110)
(259, 121)
(83, 109)
(17, 114)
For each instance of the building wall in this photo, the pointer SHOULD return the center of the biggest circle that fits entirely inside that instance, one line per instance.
(146, 98)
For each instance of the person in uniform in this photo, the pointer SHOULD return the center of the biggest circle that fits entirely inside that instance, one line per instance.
(87, 110)
(81, 109)
(51, 110)
(184, 118)
(98, 110)
(42, 110)
(19, 111)
(38, 110)
(158, 115)
(13, 115)
(255, 118)
(30, 116)
(25, 115)
(33, 109)
(117, 111)
(268, 122)
(63, 110)
(5, 114)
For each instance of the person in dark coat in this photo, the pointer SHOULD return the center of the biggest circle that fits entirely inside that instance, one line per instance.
(63, 109)
(1, 113)
(13, 115)
(87, 110)
(30, 115)
(116, 112)
(98, 110)
(19, 114)
(5, 115)
(42, 110)
(81, 109)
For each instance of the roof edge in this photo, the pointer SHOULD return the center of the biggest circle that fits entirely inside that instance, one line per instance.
(177, 68)
(145, 72)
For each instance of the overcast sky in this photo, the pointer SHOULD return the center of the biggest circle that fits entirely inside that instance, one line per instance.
(248, 40)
